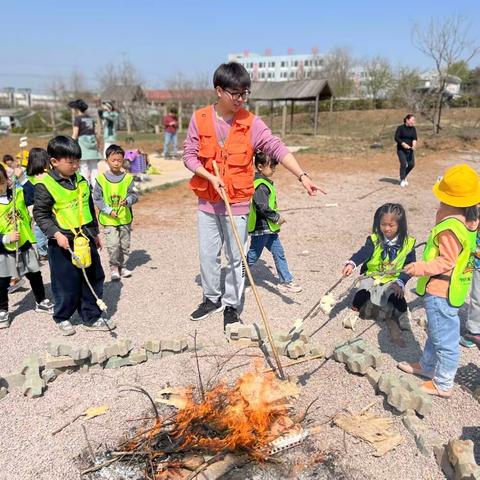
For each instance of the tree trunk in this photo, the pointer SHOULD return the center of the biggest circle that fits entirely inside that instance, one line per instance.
(129, 122)
(53, 120)
(438, 107)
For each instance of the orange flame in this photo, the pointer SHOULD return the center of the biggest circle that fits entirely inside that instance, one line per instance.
(245, 417)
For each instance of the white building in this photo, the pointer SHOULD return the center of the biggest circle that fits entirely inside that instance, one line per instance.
(23, 97)
(430, 82)
(277, 68)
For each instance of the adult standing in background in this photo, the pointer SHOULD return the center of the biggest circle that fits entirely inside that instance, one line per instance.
(170, 123)
(109, 117)
(84, 133)
(406, 138)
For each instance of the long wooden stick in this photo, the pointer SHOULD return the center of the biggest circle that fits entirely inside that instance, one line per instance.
(249, 275)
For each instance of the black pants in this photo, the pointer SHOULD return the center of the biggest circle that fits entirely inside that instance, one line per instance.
(36, 283)
(70, 290)
(407, 162)
(362, 296)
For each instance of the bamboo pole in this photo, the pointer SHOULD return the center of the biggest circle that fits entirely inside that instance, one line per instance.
(263, 314)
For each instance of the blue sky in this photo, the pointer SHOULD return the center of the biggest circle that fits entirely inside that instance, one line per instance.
(49, 39)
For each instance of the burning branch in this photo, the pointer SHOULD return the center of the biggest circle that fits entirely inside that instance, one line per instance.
(249, 420)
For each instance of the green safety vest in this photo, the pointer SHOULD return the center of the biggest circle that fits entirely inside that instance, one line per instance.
(7, 224)
(272, 203)
(113, 194)
(461, 278)
(379, 264)
(71, 207)
(34, 179)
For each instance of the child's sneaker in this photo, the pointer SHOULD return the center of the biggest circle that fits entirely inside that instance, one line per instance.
(45, 306)
(16, 284)
(466, 342)
(474, 338)
(100, 325)
(404, 321)
(291, 287)
(4, 319)
(66, 328)
(114, 274)
(126, 273)
(430, 388)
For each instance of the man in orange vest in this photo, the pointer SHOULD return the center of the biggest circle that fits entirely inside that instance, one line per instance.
(230, 135)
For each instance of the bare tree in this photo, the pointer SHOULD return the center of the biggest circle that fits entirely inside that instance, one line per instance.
(77, 84)
(406, 88)
(196, 91)
(379, 77)
(337, 69)
(125, 74)
(124, 85)
(445, 42)
(58, 89)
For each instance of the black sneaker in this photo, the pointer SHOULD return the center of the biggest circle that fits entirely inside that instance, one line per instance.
(230, 315)
(206, 309)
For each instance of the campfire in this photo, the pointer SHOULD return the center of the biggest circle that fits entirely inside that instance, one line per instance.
(211, 432)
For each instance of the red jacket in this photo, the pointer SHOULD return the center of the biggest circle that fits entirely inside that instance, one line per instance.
(167, 119)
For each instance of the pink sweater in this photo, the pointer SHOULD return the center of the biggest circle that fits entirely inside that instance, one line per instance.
(262, 139)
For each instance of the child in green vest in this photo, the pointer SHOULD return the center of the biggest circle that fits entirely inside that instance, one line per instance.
(445, 277)
(114, 196)
(472, 335)
(21, 239)
(388, 248)
(65, 213)
(264, 222)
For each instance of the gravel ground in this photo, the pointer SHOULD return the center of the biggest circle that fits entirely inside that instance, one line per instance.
(158, 299)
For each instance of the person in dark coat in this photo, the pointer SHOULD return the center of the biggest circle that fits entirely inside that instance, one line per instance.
(406, 139)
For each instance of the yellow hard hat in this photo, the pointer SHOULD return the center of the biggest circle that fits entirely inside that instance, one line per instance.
(459, 187)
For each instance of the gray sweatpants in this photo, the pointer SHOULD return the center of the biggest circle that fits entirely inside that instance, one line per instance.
(214, 232)
(117, 241)
(473, 320)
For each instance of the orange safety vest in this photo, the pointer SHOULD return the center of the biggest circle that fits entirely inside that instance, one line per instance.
(234, 157)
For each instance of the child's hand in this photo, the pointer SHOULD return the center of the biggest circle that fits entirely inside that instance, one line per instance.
(13, 236)
(281, 221)
(114, 214)
(409, 269)
(397, 290)
(347, 270)
(123, 202)
(62, 240)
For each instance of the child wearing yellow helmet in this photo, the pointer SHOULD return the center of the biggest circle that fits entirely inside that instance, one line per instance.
(445, 277)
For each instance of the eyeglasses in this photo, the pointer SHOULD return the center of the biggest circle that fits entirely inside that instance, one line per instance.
(238, 96)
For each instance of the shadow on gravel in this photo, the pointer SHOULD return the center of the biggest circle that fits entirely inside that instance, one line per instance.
(26, 302)
(138, 258)
(263, 277)
(111, 296)
(393, 181)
